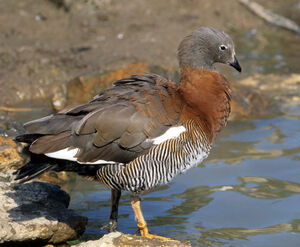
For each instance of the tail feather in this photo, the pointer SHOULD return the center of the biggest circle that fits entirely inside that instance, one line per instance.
(30, 171)
(27, 138)
(41, 163)
(51, 143)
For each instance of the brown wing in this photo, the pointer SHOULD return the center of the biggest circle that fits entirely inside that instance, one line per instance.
(116, 125)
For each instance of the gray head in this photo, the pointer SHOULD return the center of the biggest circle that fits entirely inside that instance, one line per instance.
(205, 47)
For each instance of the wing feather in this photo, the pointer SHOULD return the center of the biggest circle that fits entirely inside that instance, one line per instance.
(116, 125)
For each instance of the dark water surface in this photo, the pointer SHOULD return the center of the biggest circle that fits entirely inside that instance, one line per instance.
(246, 194)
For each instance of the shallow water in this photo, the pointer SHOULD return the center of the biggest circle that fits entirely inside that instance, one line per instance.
(247, 193)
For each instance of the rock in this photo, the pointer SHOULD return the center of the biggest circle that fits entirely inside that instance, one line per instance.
(115, 239)
(106, 241)
(246, 100)
(37, 213)
(11, 156)
(8, 125)
(284, 89)
(81, 5)
(83, 88)
(59, 99)
(55, 177)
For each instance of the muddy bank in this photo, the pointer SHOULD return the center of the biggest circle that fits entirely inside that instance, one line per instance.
(45, 43)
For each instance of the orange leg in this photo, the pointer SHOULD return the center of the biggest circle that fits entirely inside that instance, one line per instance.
(142, 225)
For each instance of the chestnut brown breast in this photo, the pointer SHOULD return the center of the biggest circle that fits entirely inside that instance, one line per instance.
(206, 97)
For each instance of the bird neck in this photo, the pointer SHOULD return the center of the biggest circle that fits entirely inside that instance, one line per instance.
(207, 99)
(201, 63)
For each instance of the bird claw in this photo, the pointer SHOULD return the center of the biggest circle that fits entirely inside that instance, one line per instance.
(152, 236)
(110, 227)
(144, 231)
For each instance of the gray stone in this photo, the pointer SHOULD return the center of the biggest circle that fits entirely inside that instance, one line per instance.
(105, 241)
(37, 213)
(11, 155)
(117, 239)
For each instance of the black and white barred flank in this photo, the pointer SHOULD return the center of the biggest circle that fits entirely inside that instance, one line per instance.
(161, 164)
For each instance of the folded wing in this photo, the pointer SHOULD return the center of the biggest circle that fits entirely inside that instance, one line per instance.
(118, 125)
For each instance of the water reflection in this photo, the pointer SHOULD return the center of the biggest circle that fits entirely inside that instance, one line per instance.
(267, 188)
(258, 139)
(218, 237)
(180, 216)
(195, 198)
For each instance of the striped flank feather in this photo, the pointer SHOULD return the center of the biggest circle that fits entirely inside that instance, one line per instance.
(161, 164)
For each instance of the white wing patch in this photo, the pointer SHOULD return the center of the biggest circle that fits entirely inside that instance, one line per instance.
(69, 154)
(64, 154)
(170, 133)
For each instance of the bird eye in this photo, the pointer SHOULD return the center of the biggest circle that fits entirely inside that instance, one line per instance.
(223, 47)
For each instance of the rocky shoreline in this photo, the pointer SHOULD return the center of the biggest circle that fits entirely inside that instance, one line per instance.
(37, 213)
(119, 239)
